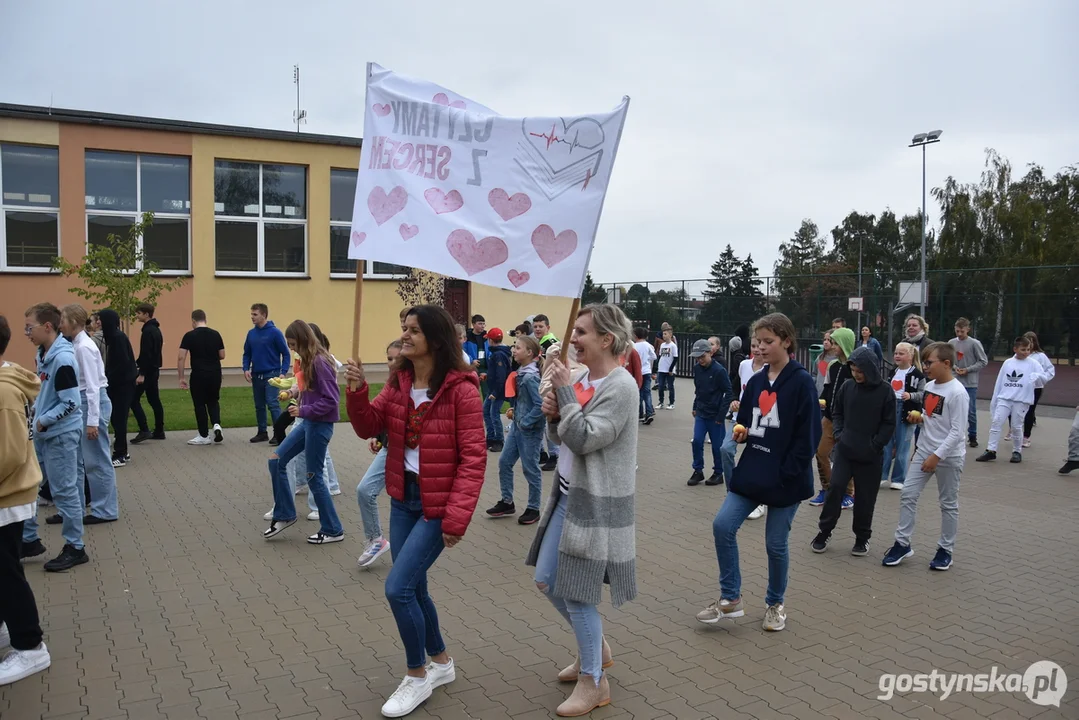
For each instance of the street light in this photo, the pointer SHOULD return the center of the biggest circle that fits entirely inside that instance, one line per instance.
(921, 140)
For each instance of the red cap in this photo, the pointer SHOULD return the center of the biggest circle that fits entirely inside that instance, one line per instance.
(494, 334)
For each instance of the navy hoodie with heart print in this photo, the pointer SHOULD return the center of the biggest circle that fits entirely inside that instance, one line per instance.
(783, 419)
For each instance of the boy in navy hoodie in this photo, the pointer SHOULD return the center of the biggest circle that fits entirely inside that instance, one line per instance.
(780, 422)
(498, 371)
(57, 432)
(711, 400)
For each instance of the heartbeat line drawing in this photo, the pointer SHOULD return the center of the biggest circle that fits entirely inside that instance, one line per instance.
(561, 153)
(553, 138)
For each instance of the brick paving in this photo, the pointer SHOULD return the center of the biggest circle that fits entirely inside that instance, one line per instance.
(185, 612)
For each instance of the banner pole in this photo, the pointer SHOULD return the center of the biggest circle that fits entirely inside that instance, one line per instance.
(357, 311)
(573, 310)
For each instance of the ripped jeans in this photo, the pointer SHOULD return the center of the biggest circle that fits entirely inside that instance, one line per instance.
(583, 618)
(311, 439)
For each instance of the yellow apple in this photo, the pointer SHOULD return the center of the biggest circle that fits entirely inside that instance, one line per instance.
(823, 403)
(283, 395)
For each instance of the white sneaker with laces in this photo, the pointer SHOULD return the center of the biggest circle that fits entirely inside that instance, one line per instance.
(775, 618)
(321, 538)
(313, 515)
(21, 664)
(200, 440)
(440, 675)
(758, 512)
(408, 696)
(375, 549)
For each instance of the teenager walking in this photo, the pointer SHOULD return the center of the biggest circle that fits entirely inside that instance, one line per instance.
(149, 377)
(525, 436)
(746, 369)
(970, 360)
(668, 361)
(842, 343)
(120, 370)
(908, 383)
(647, 353)
(207, 350)
(498, 371)
(1047, 372)
(266, 356)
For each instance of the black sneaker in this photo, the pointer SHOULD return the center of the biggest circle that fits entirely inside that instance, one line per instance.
(860, 549)
(648, 420)
(95, 520)
(544, 457)
(714, 479)
(29, 550)
(973, 442)
(260, 437)
(820, 543)
(143, 436)
(986, 456)
(119, 461)
(696, 478)
(158, 435)
(499, 446)
(1017, 457)
(528, 517)
(551, 464)
(54, 519)
(68, 558)
(502, 509)
(274, 442)
(1068, 467)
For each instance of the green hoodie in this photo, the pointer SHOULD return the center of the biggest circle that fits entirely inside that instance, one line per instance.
(844, 338)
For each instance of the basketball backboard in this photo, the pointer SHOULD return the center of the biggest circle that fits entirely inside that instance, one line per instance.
(912, 293)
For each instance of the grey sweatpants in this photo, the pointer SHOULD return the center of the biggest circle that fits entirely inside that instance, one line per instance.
(1073, 440)
(948, 472)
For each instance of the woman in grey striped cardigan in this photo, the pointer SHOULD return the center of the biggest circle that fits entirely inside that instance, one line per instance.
(586, 534)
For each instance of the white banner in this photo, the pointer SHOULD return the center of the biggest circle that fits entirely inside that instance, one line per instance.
(448, 185)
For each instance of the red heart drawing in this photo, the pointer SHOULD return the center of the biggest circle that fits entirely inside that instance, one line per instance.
(822, 367)
(408, 231)
(381, 110)
(358, 237)
(476, 256)
(383, 206)
(897, 385)
(507, 206)
(931, 402)
(518, 278)
(766, 401)
(583, 396)
(959, 354)
(441, 99)
(553, 249)
(443, 202)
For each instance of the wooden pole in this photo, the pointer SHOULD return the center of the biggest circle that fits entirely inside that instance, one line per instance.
(573, 310)
(357, 312)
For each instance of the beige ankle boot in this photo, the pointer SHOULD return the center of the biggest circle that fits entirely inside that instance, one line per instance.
(586, 697)
(569, 674)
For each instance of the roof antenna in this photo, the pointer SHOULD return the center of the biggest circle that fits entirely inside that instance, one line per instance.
(50, 103)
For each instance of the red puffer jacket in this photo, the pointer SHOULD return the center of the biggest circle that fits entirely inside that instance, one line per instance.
(453, 451)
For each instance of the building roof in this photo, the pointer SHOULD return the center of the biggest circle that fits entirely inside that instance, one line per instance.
(136, 122)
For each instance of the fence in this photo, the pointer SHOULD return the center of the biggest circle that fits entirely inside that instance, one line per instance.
(1000, 303)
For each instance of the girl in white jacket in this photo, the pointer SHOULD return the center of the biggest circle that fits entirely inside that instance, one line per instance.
(1049, 370)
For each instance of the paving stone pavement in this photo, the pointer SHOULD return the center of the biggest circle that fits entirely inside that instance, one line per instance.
(186, 612)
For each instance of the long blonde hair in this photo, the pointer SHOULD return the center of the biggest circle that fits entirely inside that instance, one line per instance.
(308, 347)
(916, 359)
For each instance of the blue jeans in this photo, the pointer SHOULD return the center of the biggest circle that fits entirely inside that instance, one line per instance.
(415, 544)
(646, 408)
(525, 446)
(727, 452)
(666, 381)
(58, 457)
(311, 439)
(492, 418)
(736, 508)
(95, 464)
(584, 619)
(297, 470)
(972, 413)
(714, 429)
(265, 397)
(900, 442)
(367, 492)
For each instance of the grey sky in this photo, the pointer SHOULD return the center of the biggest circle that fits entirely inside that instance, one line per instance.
(745, 118)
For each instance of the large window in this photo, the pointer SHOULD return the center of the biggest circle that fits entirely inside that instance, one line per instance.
(30, 202)
(261, 218)
(342, 197)
(120, 186)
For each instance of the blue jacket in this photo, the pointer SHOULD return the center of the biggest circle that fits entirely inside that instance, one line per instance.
(528, 411)
(713, 391)
(472, 349)
(498, 370)
(58, 408)
(265, 350)
(784, 424)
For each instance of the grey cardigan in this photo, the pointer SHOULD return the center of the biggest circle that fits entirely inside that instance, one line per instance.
(598, 538)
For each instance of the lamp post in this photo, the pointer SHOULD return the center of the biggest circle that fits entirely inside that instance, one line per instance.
(923, 139)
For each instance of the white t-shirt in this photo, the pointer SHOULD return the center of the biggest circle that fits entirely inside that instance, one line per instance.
(745, 372)
(647, 354)
(468, 360)
(412, 455)
(565, 457)
(668, 353)
(900, 377)
(944, 419)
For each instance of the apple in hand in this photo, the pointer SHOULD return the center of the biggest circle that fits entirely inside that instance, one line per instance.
(739, 433)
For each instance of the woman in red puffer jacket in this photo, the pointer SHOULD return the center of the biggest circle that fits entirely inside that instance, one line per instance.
(432, 412)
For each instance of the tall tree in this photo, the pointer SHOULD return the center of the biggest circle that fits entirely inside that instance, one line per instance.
(720, 295)
(799, 258)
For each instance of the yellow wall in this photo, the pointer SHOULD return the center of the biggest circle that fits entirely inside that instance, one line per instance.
(506, 309)
(32, 132)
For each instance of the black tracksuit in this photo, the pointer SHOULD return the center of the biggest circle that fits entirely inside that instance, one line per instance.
(120, 371)
(149, 363)
(863, 420)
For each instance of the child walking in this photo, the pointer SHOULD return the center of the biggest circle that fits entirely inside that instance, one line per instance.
(842, 342)
(710, 403)
(647, 354)
(1048, 372)
(498, 372)
(908, 382)
(863, 418)
(1013, 397)
(747, 368)
(970, 360)
(525, 437)
(668, 358)
(940, 451)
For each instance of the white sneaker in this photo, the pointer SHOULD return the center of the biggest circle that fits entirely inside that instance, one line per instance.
(21, 664)
(775, 618)
(5, 639)
(758, 512)
(313, 515)
(440, 675)
(408, 696)
(200, 440)
(320, 538)
(884, 483)
(218, 437)
(269, 515)
(671, 406)
(335, 492)
(895, 486)
(375, 549)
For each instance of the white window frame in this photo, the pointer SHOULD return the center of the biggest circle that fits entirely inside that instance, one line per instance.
(368, 272)
(260, 221)
(136, 215)
(5, 209)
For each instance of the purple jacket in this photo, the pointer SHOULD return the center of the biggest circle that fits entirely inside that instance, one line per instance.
(319, 402)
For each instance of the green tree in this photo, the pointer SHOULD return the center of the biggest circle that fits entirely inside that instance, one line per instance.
(591, 293)
(116, 274)
(721, 294)
(799, 258)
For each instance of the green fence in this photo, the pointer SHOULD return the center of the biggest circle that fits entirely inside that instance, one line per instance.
(1000, 303)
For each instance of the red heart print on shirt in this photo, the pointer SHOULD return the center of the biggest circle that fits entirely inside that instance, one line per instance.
(766, 401)
(959, 354)
(931, 402)
(583, 396)
(897, 385)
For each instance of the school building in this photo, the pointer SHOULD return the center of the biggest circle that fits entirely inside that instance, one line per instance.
(244, 215)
